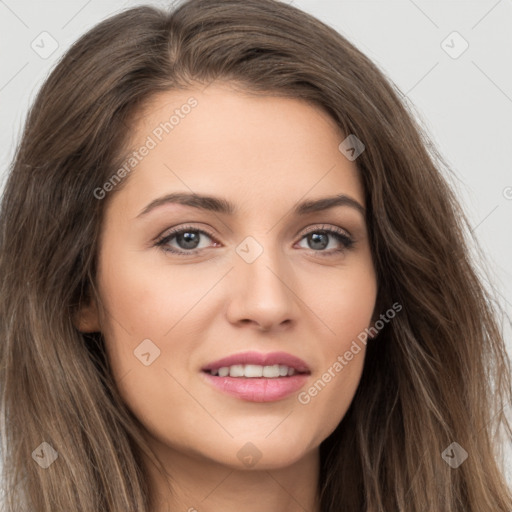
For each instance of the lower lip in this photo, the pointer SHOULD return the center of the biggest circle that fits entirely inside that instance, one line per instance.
(259, 389)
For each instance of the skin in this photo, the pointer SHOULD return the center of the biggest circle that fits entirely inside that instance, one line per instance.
(265, 154)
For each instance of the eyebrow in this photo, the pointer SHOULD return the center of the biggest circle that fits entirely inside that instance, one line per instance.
(220, 205)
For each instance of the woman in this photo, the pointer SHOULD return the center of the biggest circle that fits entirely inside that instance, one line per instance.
(328, 346)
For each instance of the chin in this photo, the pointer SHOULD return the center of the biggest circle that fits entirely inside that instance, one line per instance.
(261, 452)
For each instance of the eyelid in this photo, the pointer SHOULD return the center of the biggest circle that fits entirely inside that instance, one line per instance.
(341, 234)
(179, 229)
(325, 227)
(315, 227)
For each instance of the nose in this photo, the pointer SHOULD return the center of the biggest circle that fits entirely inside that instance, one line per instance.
(262, 292)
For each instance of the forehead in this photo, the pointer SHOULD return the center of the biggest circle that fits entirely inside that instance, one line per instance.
(221, 141)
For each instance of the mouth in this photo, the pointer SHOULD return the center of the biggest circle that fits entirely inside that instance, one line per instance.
(254, 371)
(257, 377)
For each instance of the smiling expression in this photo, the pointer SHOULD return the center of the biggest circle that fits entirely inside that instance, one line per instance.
(240, 234)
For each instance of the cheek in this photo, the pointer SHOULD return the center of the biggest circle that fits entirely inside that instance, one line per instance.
(331, 389)
(149, 312)
(346, 307)
(135, 310)
(144, 298)
(140, 308)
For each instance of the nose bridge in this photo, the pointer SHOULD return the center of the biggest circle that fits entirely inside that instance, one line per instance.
(261, 262)
(262, 291)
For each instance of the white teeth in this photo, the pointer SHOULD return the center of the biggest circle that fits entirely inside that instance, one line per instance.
(237, 370)
(224, 371)
(271, 371)
(254, 371)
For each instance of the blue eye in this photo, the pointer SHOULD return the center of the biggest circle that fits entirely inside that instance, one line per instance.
(188, 238)
(320, 238)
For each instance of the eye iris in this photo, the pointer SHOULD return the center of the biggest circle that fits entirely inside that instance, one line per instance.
(315, 238)
(188, 239)
(188, 236)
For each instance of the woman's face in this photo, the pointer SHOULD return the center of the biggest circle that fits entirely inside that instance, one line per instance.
(267, 278)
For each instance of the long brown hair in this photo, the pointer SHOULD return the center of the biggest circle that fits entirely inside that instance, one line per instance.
(438, 373)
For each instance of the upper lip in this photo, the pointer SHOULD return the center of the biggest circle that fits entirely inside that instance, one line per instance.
(270, 359)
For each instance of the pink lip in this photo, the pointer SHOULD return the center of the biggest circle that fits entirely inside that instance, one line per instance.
(260, 389)
(261, 359)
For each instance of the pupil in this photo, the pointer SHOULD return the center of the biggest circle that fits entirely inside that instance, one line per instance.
(188, 236)
(315, 238)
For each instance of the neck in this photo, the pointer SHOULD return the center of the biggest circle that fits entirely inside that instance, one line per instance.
(197, 484)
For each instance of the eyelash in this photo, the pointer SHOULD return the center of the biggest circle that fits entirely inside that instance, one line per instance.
(345, 240)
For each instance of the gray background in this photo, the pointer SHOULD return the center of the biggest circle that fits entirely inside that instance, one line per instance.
(462, 98)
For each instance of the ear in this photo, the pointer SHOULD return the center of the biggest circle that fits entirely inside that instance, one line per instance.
(87, 318)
